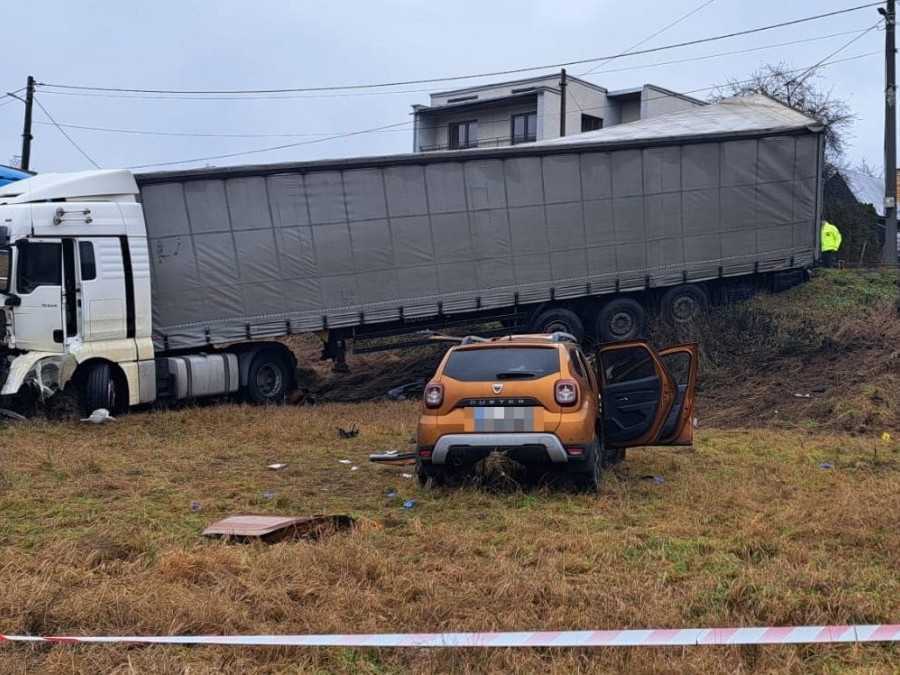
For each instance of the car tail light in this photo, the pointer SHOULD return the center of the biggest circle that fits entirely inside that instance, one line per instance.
(566, 392)
(575, 451)
(434, 395)
(424, 453)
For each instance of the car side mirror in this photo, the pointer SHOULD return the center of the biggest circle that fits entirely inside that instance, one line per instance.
(12, 300)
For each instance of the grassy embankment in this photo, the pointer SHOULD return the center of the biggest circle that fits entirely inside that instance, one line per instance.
(97, 534)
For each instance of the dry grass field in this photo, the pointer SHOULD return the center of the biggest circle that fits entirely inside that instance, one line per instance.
(98, 536)
(100, 525)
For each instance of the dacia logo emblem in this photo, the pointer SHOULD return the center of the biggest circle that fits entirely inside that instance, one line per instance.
(497, 388)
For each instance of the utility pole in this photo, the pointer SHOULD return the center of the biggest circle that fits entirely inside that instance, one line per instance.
(26, 131)
(562, 102)
(889, 253)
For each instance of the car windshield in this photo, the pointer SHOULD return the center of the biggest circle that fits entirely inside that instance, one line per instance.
(502, 363)
(5, 263)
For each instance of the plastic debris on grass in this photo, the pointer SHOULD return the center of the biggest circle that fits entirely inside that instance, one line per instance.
(278, 466)
(99, 416)
(409, 503)
(351, 432)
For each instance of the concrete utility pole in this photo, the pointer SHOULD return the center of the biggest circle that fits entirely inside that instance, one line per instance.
(26, 131)
(889, 253)
(562, 102)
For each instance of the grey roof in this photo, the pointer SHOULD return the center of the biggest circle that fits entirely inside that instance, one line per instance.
(867, 189)
(755, 113)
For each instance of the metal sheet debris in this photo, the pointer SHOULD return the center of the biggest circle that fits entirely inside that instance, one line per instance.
(271, 528)
(393, 458)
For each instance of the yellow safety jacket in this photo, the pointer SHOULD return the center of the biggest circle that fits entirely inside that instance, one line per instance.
(831, 237)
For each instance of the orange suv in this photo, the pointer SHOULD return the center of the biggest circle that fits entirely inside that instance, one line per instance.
(539, 400)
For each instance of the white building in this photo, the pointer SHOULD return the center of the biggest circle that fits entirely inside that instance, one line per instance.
(507, 113)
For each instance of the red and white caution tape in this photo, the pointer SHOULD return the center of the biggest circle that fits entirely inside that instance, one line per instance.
(663, 637)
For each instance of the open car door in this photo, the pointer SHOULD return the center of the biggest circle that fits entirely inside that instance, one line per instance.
(647, 396)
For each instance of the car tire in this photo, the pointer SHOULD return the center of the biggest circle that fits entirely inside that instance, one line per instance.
(558, 319)
(613, 456)
(99, 390)
(430, 476)
(683, 305)
(269, 378)
(589, 480)
(621, 319)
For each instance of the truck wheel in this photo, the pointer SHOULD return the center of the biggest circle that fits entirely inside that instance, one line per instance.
(99, 390)
(621, 319)
(558, 319)
(269, 378)
(684, 304)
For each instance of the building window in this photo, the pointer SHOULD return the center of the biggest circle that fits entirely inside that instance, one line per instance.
(591, 123)
(524, 127)
(464, 134)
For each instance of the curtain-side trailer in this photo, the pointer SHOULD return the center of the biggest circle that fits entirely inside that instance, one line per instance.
(177, 285)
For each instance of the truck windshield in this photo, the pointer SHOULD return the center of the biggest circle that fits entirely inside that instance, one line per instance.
(5, 265)
(502, 363)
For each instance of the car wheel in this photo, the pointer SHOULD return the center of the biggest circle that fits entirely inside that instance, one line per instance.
(589, 481)
(682, 305)
(430, 476)
(268, 379)
(558, 319)
(621, 319)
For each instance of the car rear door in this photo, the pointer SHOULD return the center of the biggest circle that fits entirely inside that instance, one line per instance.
(643, 403)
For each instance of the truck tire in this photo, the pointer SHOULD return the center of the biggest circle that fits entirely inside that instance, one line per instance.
(558, 319)
(99, 390)
(683, 305)
(269, 378)
(621, 319)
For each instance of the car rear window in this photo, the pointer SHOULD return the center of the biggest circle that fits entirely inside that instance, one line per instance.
(502, 363)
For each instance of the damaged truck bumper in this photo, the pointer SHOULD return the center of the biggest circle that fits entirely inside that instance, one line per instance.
(46, 372)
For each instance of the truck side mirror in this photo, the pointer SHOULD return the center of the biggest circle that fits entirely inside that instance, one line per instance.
(12, 300)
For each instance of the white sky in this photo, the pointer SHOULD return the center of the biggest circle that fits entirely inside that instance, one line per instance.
(270, 44)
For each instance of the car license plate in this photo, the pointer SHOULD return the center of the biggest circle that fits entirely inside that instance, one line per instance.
(503, 419)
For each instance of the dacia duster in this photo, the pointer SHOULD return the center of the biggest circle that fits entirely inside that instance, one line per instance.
(539, 400)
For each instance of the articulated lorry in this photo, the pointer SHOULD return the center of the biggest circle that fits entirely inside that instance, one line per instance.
(128, 289)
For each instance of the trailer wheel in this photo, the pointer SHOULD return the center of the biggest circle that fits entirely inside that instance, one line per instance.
(621, 319)
(558, 319)
(269, 378)
(684, 304)
(99, 390)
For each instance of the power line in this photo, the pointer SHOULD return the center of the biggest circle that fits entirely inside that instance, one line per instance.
(453, 78)
(63, 132)
(838, 50)
(389, 126)
(201, 134)
(650, 37)
(643, 66)
(269, 149)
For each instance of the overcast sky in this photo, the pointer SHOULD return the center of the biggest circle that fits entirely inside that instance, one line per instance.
(276, 43)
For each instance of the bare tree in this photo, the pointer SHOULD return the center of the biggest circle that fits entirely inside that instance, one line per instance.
(798, 90)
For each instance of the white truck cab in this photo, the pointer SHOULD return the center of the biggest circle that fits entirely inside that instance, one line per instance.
(75, 299)
(76, 286)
